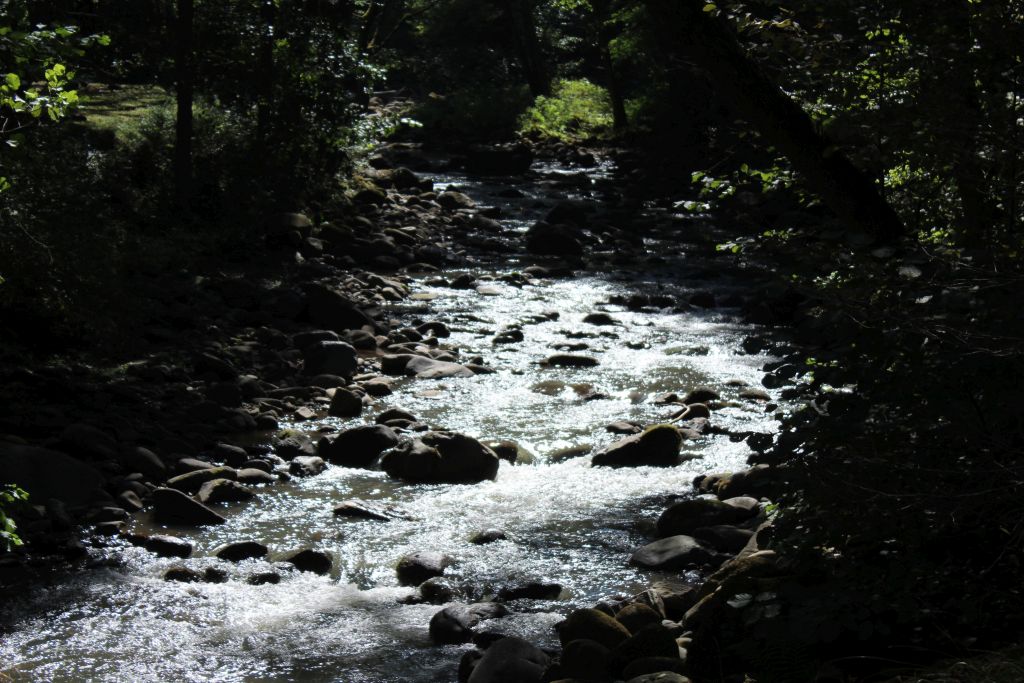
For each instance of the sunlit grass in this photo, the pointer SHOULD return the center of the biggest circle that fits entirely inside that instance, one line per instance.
(119, 108)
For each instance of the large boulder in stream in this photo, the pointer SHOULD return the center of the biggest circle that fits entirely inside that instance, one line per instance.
(441, 458)
(689, 515)
(454, 624)
(513, 159)
(332, 310)
(415, 568)
(511, 660)
(357, 447)
(330, 358)
(47, 474)
(656, 446)
(676, 552)
(546, 239)
(171, 506)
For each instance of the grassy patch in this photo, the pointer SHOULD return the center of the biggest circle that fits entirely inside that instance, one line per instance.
(120, 108)
(575, 110)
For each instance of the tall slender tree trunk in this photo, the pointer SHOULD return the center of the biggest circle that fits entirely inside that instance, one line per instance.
(265, 78)
(530, 54)
(185, 88)
(605, 36)
(686, 32)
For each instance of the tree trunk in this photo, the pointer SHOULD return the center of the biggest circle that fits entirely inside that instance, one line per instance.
(265, 78)
(184, 95)
(530, 56)
(605, 36)
(687, 32)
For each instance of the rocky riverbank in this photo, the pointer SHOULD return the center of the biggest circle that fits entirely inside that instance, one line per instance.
(322, 324)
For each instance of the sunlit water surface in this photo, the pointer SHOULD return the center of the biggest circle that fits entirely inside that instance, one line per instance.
(567, 522)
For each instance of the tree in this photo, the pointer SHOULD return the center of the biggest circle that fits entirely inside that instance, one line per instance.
(184, 96)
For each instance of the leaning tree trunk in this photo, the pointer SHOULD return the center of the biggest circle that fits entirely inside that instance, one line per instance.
(184, 94)
(687, 32)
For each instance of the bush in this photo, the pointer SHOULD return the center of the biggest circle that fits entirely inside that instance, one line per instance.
(576, 110)
(480, 114)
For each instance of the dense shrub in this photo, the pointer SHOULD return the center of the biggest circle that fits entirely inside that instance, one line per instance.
(576, 110)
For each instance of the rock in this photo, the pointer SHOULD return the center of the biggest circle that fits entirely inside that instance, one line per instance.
(624, 427)
(454, 200)
(224, 491)
(553, 240)
(686, 516)
(191, 482)
(47, 474)
(760, 480)
(594, 625)
(332, 310)
(675, 552)
(437, 591)
(171, 506)
(306, 466)
(511, 660)
(648, 666)
(309, 560)
(510, 159)
(243, 550)
(656, 446)
(428, 368)
(586, 660)
(566, 360)
(143, 460)
(753, 394)
(378, 387)
(395, 414)
(364, 510)
(487, 536)
(345, 403)
(183, 574)
(415, 568)
(650, 641)
(262, 578)
(251, 475)
(87, 442)
(701, 395)
(357, 447)
(636, 616)
(441, 457)
(454, 624)
(600, 319)
(168, 546)
(660, 677)
(723, 537)
(676, 596)
(534, 590)
(214, 575)
(330, 358)
(234, 456)
(303, 340)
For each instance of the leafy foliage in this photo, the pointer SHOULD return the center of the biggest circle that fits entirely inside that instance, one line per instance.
(576, 110)
(10, 496)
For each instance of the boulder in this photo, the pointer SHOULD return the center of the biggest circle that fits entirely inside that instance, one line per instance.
(650, 668)
(191, 482)
(415, 568)
(441, 457)
(656, 446)
(650, 641)
(224, 491)
(701, 395)
(568, 360)
(723, 537)
(143, 460)
(360, 509)
(487, 536)
(687, 516)
(553, 240)
(253, 475)
(660, 677)
(600, 319)
(309, 560)
(357, 447)
(182, 574)
(636, 616)
(333, 311)
(330, 358)
(592, 624)
(532, 590)
(437, 591)
(345, 403)
(168, 546)
(586, 660)
(675, 552)
(455, 623)
(429, 368)
(306, 466)
(511, 660)
(47, 474)
(171, 506)
(243, 550)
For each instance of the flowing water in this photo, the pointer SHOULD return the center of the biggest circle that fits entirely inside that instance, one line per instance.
(566, 522)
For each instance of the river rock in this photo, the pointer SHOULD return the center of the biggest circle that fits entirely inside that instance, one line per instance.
(361, 509)
(675, 552)
(143, 460)
(252, 475)
(553, 240)
(309, 560)
(636, 616)
(306, 466)
(301, 340)
(586, 660)
(650, 641)
(600, 319)
(594, 625)
(453, 201)
(701, 395)
(487, 536)
(455, 623)
(624, 427)
(224, 491)
(242, 550)
(686, 516)
(168, 546)
(656, 446)
(171, 506)
(182, 574)
(47, 474)
(429, 368)
(415, 568)
(332, 310)
(441, 457)
(357, 447)
(437, 591)
(533, 590)
(345, 403)
(395, 414)
(511, 660)
(191, 482)
(330, 358)
(568, 360)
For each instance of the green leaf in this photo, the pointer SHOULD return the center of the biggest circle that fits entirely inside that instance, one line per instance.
(13, 81)
(710, 7)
